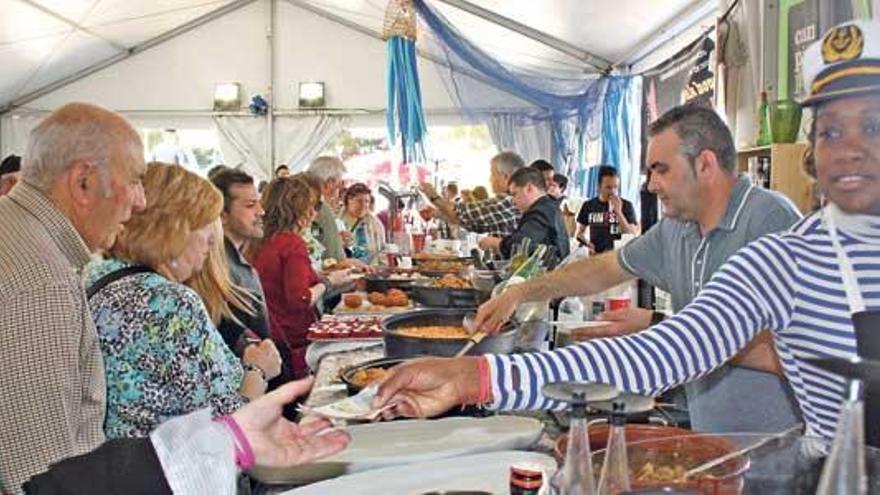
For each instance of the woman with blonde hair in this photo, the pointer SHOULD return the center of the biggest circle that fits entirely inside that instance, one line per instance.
(291, 284)
(223, 299)
(162, 355)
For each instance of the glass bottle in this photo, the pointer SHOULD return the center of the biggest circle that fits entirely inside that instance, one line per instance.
(765, 136)
(844, 469)
(576, 475)
(615, 470)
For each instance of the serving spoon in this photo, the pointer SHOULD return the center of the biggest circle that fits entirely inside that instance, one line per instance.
(745, 450)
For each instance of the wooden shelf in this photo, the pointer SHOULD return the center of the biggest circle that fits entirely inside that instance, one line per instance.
(787, 174)
(755, 151)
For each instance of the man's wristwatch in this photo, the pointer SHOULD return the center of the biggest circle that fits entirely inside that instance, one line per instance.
(657, 317)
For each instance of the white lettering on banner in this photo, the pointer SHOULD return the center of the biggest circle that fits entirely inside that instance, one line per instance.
(805, 35)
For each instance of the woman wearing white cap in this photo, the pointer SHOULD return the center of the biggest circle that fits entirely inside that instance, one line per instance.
(792, 283)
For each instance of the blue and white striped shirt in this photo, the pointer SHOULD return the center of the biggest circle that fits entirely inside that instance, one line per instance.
(789, 283)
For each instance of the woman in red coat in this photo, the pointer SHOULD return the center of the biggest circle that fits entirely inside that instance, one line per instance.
(291, 285)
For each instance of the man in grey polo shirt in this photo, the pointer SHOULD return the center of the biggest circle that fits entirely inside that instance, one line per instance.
(709, 213)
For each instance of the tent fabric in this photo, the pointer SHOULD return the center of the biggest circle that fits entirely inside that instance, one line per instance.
(484, 86)
(64, 37)
(38, 48)
(531, 140)
(243, 143)
(242, 139)
(298, 140)
(621, 136)
(404, 116)
(339, 51)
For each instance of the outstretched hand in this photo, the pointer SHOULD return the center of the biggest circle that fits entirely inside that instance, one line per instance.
(428, 387)
(277, 442)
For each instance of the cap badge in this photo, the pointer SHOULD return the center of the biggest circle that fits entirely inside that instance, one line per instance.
(842, 44)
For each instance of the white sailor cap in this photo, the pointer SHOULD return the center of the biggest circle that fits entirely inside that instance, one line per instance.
(845, 62)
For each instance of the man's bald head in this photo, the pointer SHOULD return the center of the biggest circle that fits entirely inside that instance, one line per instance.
(77, 132)
(89, 162)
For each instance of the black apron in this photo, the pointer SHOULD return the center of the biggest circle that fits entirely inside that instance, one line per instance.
(867, 328)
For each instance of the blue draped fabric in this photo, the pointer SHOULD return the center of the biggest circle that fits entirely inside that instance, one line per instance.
(621, 136)
(403, 91)
(489, 91)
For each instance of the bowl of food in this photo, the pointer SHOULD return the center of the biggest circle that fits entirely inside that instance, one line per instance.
(448, 291)
(439, 332)
(659, 456)
(367, 373)
(439, 266)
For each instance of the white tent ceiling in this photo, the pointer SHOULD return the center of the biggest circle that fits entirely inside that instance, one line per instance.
(45, 44)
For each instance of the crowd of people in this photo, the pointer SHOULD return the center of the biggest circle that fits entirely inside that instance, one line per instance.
(154, 321)
(159, 293)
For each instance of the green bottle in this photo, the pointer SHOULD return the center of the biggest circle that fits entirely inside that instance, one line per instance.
(764, 135)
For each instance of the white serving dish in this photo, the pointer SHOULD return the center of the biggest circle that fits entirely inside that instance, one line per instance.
(488, 472)
(378, 445)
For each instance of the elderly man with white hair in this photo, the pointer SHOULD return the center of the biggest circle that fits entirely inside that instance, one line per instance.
(80, 181)
(328, 170)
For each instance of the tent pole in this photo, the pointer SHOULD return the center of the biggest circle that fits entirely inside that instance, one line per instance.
(270, 93)
(557, 44)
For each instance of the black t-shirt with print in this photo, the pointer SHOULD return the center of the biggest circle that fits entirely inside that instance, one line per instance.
(603, 223)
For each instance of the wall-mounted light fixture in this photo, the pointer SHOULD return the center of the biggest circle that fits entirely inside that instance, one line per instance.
(311, 95)
(227, 97)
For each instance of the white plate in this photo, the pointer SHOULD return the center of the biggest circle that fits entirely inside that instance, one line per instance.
(402, 442)
(482, 472)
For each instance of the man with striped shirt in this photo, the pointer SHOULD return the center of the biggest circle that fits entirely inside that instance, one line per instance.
(790, 283)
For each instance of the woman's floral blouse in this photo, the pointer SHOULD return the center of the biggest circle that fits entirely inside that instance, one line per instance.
(162, 355)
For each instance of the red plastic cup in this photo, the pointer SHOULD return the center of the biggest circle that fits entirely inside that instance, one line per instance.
(392, 259)
(418, 242)
(618, 302)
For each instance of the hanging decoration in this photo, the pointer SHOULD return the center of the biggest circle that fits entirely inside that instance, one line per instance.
(404, 95)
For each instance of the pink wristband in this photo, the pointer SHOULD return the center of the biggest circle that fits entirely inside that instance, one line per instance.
(244, 454)
(485, 386)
